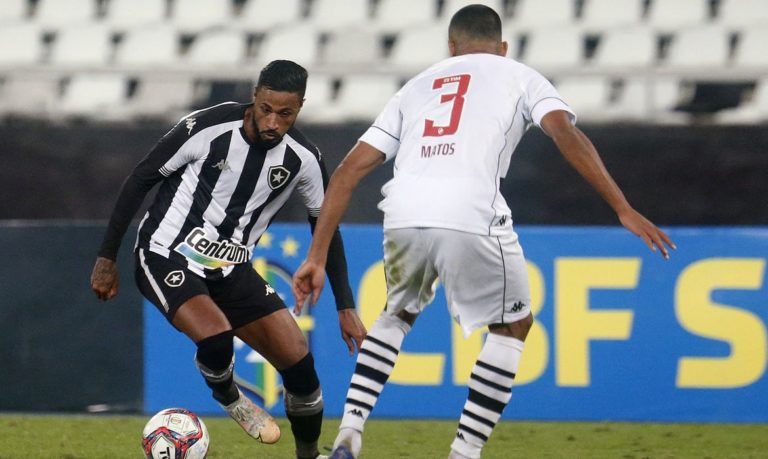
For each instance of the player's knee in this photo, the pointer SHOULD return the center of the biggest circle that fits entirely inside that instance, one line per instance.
(215, 355)
(518, 329)
(303, 395)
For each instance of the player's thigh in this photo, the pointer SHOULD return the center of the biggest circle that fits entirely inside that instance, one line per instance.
(276, 337)
(485, 277)
(181, 296)
(410, 274)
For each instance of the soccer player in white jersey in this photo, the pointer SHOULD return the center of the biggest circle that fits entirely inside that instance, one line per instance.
(225, 171)
(451, 131)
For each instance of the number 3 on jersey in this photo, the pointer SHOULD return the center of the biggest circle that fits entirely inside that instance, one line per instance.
(430, 130)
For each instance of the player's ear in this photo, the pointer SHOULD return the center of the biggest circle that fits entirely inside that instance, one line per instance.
(503, 48)
(452, 47)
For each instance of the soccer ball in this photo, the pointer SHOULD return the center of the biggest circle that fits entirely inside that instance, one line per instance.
(175, 433)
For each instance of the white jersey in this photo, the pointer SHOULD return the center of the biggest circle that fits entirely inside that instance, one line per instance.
(452, 130)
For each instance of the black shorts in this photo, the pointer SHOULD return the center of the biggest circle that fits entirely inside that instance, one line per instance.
(243, 296)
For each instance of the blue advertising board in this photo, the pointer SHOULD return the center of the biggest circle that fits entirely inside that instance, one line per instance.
(620, 333)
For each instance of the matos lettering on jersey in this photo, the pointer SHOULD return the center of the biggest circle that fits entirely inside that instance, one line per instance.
(432, 129)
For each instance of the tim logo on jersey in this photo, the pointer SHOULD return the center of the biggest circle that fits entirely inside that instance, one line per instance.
(210, 253)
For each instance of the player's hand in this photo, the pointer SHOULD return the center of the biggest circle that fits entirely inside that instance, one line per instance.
(650, 234)
(105, 279)
(352, 329)
(308, 282)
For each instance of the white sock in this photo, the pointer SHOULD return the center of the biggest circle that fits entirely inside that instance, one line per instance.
(375, 362)
(490, 389)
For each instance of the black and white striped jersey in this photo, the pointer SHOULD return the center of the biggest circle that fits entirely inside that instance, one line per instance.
(219, 192)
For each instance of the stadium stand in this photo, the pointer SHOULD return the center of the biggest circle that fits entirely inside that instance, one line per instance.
(630, 45)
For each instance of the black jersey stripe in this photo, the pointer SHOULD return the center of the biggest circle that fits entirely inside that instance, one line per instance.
(159, 207)
(207, 179)
(292, 162)
(254, 163)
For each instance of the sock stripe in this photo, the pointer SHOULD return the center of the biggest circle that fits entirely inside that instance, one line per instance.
(377, 357)
(478, 418)
(485, 401)
(506, 374)
(352, 401)
(473, 432)
(382, 344)
(491, 384)
(364, 389)
(371, 373)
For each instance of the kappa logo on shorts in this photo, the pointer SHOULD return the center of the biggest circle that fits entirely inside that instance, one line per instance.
(278, 176)
(517, 306)
(270, 290)
(174, 278)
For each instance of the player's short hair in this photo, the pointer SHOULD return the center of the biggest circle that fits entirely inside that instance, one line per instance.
(282, 75)
(475, 22)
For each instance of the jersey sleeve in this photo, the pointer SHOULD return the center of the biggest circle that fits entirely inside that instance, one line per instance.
(151, 170)
(384, 134)
(311, 185)
(541, 98)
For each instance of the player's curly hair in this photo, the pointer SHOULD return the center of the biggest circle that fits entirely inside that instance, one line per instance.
(283, 75)
(475, 22)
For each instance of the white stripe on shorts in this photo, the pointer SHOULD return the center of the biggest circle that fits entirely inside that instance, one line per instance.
(152, 281)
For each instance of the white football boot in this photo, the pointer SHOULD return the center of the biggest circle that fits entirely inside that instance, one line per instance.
(254, 420)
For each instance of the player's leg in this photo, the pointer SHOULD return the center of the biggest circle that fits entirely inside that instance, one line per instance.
(183, 298)
(278, 339)
(410, 287)
(492, 291)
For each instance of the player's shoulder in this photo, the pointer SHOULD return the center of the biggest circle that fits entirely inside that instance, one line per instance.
(301, 143)
(225, 112)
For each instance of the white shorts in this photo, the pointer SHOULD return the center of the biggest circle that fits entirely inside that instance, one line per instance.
(485, 277)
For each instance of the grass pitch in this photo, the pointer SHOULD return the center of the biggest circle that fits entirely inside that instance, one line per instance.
(75, 437)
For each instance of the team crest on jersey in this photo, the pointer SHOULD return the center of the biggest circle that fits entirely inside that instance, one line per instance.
(278, 176)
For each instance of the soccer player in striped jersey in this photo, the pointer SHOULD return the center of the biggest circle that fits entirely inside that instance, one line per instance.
(451, 131)
(225, 171)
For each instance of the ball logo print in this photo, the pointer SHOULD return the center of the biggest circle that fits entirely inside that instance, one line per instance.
(175, 433)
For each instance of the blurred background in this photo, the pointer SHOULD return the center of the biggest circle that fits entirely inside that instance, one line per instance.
(674, 94)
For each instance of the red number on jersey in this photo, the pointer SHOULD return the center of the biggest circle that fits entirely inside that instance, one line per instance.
(430, 130)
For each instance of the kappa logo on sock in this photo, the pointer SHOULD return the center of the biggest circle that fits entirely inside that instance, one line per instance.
(460, 436)
(356, 412)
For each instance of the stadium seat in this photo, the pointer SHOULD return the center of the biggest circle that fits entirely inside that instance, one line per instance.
(328, 15)
(318, 99)
(416, 49)
(704, 47)
(192, 16)
(753, 110)
(599, 15)
(167, 97)
(82, 45)
(53, 14)
(29, 95)
(671, 15)
(389, 17)
(535, 14)
(261, 15)
(363, 97)
(93, 94)
(358, 47)
(621, 48)
(554, 48)
(300, 44)
(750, 51)
(20, 44)
(588, 96)
(13, 11)
(218, 47)
(126, 14)
(148, 47)
(735, 14)
(450, 7)
(649, 100)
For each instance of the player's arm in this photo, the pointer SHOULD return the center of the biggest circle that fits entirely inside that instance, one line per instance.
(104, 277)
(358, 163)
(579, 151)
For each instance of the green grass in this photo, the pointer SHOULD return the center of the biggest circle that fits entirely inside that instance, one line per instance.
(70, 437)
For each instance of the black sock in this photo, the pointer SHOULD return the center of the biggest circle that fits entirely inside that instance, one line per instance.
(215, 359)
